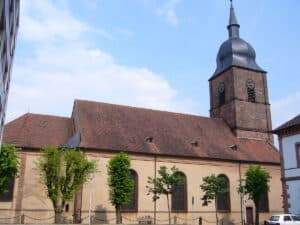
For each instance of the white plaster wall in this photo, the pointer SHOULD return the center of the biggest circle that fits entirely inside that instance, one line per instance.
(294, 200)
(289, 152)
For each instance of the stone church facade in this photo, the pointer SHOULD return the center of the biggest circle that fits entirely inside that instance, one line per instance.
(236, 135)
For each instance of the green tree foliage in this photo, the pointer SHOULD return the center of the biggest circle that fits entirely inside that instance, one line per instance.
(120, 182)
(63, 172)
(9, 163)
(162, 185)
(255, 185)
(212, 187)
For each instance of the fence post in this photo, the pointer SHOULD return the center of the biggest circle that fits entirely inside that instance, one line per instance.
(175, 219)
(22, 219)
(200, 220)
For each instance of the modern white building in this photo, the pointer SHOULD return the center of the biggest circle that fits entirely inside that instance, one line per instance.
(289, 145)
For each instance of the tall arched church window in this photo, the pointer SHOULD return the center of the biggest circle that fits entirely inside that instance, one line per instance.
(179, 195)
(263, 205)
(8, 196)
(223, 200)
(132, 206)
(251, 90)
(221, 93)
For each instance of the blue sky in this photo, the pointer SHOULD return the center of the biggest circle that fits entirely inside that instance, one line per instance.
(147, 53)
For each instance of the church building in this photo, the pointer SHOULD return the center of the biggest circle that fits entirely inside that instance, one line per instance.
(237, 134)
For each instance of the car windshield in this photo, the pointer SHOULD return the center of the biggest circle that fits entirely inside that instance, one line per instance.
(274, 218)
(296, 218)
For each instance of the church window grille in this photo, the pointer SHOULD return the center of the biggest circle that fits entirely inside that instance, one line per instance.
(179, 195)
(223, 199)
(132, 206)
(298, 154)
(263, 205)
(8, 196)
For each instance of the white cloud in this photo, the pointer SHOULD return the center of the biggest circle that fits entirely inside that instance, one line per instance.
(61, 67)
(285, 109)
(168, 10)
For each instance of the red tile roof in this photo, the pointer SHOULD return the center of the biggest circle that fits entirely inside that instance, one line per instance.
(121, 128)
(114, 127)
(38, 131)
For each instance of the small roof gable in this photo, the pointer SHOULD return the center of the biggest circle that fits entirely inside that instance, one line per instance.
(295, 122)
(38, 131)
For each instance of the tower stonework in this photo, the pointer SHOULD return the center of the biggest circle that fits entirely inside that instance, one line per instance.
(238, 88)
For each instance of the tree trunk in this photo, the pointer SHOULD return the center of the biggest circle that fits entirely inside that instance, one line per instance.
(256, 215)
(217, 219)
(169, 212)
(118, 215)
(59, 219)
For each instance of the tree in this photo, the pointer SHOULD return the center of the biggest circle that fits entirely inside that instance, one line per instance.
(255, 185)
(9, 163)
(162, 185)
(213, 186)
(63, 172)
(120, 182)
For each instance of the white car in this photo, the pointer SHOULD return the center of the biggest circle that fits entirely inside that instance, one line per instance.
(283, 219)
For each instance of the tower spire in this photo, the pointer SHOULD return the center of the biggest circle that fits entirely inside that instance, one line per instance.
(233, 26)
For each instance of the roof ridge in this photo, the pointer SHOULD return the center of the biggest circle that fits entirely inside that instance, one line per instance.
(148, 109)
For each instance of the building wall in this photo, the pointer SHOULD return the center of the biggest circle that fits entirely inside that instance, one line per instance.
(30, 196)
(9, 23)
(291, 171)
(294, 193)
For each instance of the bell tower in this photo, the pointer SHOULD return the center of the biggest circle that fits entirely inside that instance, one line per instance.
(238, 88)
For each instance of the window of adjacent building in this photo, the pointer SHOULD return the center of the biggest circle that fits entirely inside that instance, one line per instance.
(223, 200)
(179, 195)
(133, 204)
(8, 196)
(263, 205)
(298, 154)
(221, 93)
(2, 21)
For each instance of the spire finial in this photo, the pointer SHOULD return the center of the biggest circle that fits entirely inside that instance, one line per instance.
(233, 26)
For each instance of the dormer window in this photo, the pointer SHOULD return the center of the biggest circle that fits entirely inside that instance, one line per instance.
(221, 93)
(233, 147)
(149, 139)
(251, 90)
(194, 143)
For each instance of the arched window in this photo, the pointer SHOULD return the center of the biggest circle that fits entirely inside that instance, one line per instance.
(223, 200)
(8, 196)
(179, 195)
(132, 206)
(221, 93)
(263, 205)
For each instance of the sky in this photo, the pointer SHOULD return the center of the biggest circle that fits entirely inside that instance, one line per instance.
(147, 53)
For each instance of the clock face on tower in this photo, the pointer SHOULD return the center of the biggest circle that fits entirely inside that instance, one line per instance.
(250, 84)
(221, 87)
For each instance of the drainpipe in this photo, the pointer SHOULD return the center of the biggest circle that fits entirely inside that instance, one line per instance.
(155, 166)
(241, 195)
